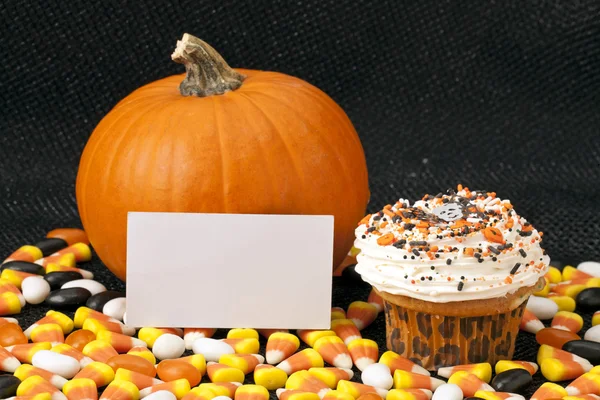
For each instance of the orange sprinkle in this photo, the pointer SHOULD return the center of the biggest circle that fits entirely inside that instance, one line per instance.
(509, 224)
(388, 213)
(434, 248)
(493, 235)
(459, 187)
(386, 239)
(469, 251)
(365, 220)
(383, 225)
(387, 207)
(508, 280)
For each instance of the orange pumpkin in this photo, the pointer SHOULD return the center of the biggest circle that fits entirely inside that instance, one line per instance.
(220, 140)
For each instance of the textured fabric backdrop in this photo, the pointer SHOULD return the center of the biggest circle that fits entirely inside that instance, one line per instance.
(499, 95)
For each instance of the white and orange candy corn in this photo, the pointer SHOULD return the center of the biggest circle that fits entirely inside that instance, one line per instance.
(120, 390)
(346, 330)
(10, 303)
(121, 343)
(567, 321)
(338, 313)
(221, 388)
(310, 336)
(191, 334)
(481, 370)
(556, 370)
(242, 333)
(83, 313)
(546, 351)
(364, 352)
(469, 383)
(570, 273)
(48, 333)
(305, 359)
(25, 352)
(99, 350)
(530, 323)
(36, 385)
(410, 380)
(331, 376)
(587, 383)
(140, 380)
(409, 394)
(290, 394)
(269, 376)
(53, 317)
(375, 300)
(179, 388)
(7, 286)
(8, 362)
(224, 373)
(356, 390)
(251, 392)
(67, 260)
(303, 380)
(99, 372)
(505, 365)
(549, 391)
(25, 253)
(395, 361)
(362, 314)
(244, 345)
(67, 350)
(81, 251)
(25, 371)
(334, 351)
(337, 395)
(280, 346)
(81, 389)
(244, 362)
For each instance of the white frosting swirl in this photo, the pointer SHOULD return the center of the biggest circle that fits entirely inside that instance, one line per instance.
(487, 252)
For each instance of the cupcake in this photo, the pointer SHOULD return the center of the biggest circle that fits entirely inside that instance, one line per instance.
(455, 271)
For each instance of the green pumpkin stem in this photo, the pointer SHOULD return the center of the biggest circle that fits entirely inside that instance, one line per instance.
(207, 73)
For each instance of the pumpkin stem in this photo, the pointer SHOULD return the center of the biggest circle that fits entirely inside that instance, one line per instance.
(207, 73)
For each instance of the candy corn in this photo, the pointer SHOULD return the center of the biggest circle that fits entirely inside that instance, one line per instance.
(337, 395)
(6, 286)
(530, 323)
(556, 370)
(121, 390)
(142, 351)
(357, 389)
(67, 350)
(191, 334)
(409, 394)
(469, 383)
(280, 346)
(567, 321)
(149, 335)
(564, 303)
(487, 395)
(99, 372)
(242, 333)
(39, 396)
(26, 370)
(586, 383)
(553, 275)
(224, 373)
(221, 388)
(81, 389)
(305, 359)
(311, 336)
(244, 362)
(570, 273)
(334, 351)
(81, 251)
(25, 253)
(543, 292)
(337, 313)
(52, 267)
(548, 391)
(331, 376)
(266, 333)
(197, 360)
(53, 317)
(303, 380)
(83, 313)
(141, 381)
(546, 351)
(244, 345)
(410, 380)
(121, 343)
(99, 350)
(269, 376)
(8, 362)
(67, 260)
(96, 325)
(395, 361)
(35, 385)
(582, 397)
(10, 303)
(482, 370)
(288, 394)
(25, 352)
(179, 388)
(364, 352)
(375, 300)
(505, 365)
(346, 330)
(568, 289)
(362, 314)
(48, 333)
(199, 394)
(251, 392)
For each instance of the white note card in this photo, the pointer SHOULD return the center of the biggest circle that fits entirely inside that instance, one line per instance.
(229, 270)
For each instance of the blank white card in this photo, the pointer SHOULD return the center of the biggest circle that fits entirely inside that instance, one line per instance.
(229, 270)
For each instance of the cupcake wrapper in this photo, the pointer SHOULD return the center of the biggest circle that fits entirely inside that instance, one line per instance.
(435, 341)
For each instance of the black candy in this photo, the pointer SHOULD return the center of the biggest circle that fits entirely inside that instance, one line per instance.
(97, 301)
(589, 299)
(24, 266)
(8, 386)
(513, 381)
(584, 348)
(58, 278)
(51, 245)
(68, 298)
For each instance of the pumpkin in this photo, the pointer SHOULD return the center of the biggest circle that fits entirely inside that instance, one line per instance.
(220, 140)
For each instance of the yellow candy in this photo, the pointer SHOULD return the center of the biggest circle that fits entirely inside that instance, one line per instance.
(331, 376)
(145, 353)
(242, 333)
(244, 362)
(149, 335)
(270, 377)
(553, 275)
(564, 303)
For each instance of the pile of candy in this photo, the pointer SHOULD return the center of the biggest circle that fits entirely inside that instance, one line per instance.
(60, 357)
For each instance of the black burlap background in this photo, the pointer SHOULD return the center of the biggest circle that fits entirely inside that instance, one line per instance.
(499, 95)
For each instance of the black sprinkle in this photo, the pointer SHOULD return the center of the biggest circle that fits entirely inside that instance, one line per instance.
(522, 252)
(515, 268)
(422, 278)
(364, 236)
(371, 229)
(501, 247)
(376, 218)
(430, 278)
(460, 286)
(405, 257)
(416, 252)
(409, 227)
(480, 260)
(417, 243)
(493, 250)
(437, 256)
(432, 267)
(494, 258)
(405, 276)
(437, 196)
(400, 243)
(396, 218)
(477, 255)
(528, 233)
(462, 278)
(448, 261)
(412, 257)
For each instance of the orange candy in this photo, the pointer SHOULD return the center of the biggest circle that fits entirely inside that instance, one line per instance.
(132, 363)
(69, 235)
(171, 370)
(11, 334)
(80, 338)
(555, 337)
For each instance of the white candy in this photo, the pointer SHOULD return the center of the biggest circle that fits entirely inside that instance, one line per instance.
(94, 287)
(35, 289)
(590, 267)
(542, 307)
(448, 391)
(593, 334)
(211, 349)
(161, 395)
(377, 375)
(115, 308)
(60, 364)
(168, 346)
